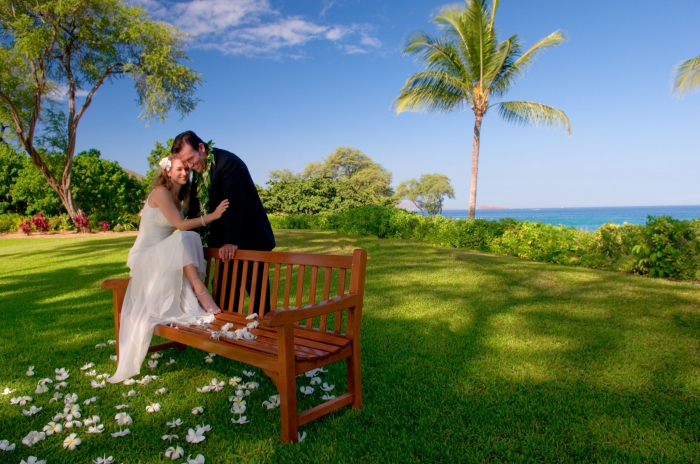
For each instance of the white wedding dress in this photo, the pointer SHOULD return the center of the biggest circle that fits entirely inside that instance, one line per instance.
(159, 291)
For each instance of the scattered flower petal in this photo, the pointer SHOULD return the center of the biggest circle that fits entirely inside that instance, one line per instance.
(32, 460)
(33, 437)
(52, 427)
(70, 398)
(235, 381)
(7, 391)
(130, 393)
(174, 453)
(100, 345)
(315, 380)
(113, 357)
(176, 423)
(111, 342)
(152, 364)
(90, 400)
(96, 429)
(241, 420)
(72, 441)
(91, 420)
(198, 460)
(128, 382)
(161, 391)
(31, 411)
(121, 433)
(307, 390)
(326, 388)
(6, 446)
(252, 316)
(197, 410)
(172, 361)
(96, 384)
(169, 437)
(302, 436)
(123, 418)
(327, 397)
(273, 402)
(156, 356)
(30, 371)
(122, 406)
(87, 366)
(153, 407)
(103, 460)
(195, 436)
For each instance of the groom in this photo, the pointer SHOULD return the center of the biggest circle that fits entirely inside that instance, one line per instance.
(244, 225)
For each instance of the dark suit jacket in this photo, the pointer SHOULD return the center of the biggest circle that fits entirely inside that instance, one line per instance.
(245, 222)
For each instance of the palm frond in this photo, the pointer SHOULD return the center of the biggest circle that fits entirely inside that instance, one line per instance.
(494, 7)
(523, 112)
(431, 91)
(687, 76)
(526, 60)
(437, 54)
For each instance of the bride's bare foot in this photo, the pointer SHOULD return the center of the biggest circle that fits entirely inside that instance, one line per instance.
(207, 302)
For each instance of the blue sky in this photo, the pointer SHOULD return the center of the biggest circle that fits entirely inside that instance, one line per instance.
(288, 81)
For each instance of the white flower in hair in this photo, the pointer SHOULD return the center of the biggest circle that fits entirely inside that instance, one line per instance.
(165, 163)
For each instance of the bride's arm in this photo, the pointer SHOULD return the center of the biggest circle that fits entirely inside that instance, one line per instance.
(162, 199)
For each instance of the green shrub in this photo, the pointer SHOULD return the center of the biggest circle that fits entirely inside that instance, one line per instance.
(669, 248)
(62, 222)
(543, 242)
(9, 223)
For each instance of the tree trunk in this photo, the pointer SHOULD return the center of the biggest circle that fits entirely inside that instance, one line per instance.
(475, 165)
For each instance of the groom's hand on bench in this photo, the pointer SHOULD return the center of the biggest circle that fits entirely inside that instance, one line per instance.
(227, 252)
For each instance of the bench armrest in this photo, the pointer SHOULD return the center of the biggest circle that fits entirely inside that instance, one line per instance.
(115, 284)
(280, 317)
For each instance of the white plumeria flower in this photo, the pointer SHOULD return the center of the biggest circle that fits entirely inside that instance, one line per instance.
(45, 380)
(103, 376)
(121, 433)
(249, 336)
(72, 409)
(208, 359)
(226, 327)
(236, 409)
(216, 335)
(253, 325)
(241, 392)
(96, 384)
(195, 436)
(152, 364)
(153, 407)
(327, 397)
(130, 393)
(197, 410)
(172, 361)
(87, 366)
(100, 345)
(122, 406)
(30, 371)
(31, 411)
(205, 389)
(241, 420)
(156, 356)
(113, 357)
(123, 418)
(302, 436)
(202, 428)
(315, 380)
(6, 446)
(91, 373)
(52, 427)
(91, 420)
(103, 460)
(252, 385)
(128, 382)
(96, 429)
(41, 388)
(111, 342)
(32, 460)
(161, 391)
(235, 381)
(58, 416)
(198, 460)
(216, 385)
(90, 400)
(169, 437)
(62, 373)
(176, 423)
(72, 441)
(166, 165)
(7, 391)
(21, 400)
(60, 385)
(56, 396)
(70, 398)
(307, 390)
(273, 402)
(326, 388)
(69, 424)
(312, 373)
(33, 437)
(174, 452)
(252, 316)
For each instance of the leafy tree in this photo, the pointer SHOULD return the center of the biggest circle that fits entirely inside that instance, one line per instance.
(427, 193)
(30, 192)
(103, 188)
(316, 195)
(687, 76)
(50, 49)
(283, 175)
(467, 66)
(11, 164)
(158, 153)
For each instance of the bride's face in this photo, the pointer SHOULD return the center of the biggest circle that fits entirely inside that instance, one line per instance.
(179, 173)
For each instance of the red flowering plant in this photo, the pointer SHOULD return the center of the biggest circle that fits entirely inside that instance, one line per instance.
(104, 225)
(26, 227)
(81, 220)
(40, 223)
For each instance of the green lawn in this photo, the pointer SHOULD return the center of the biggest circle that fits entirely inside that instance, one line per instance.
(467, 357)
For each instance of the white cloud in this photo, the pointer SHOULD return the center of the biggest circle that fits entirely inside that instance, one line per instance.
(253, 27)
(60, 93)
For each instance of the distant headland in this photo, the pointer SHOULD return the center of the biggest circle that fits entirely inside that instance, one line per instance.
(491, 207)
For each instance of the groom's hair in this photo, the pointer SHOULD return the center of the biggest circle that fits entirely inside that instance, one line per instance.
(186, 138)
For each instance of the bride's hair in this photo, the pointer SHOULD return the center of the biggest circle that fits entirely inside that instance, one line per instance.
(162, 179)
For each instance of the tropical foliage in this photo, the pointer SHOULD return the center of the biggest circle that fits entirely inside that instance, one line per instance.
(687, 76)
(427, 193)
(467, 66)
(53, 53)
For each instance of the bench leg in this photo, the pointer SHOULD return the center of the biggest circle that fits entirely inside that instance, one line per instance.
(354, 373)
(287, 384)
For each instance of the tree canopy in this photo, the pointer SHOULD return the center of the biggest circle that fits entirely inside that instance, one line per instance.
(427, 193)
(51, 52)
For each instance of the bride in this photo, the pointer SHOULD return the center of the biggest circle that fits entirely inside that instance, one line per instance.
(165, 268)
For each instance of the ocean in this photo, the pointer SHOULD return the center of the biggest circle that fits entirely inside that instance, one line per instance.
(583, 218)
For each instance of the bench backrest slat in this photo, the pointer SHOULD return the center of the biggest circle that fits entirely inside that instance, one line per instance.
(288, 283)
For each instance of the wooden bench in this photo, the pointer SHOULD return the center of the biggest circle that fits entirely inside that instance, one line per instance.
(314, 320)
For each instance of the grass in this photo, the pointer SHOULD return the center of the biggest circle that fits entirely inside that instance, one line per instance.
(467, 357)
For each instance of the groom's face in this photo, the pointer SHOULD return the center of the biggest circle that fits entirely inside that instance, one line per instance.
(193, 159)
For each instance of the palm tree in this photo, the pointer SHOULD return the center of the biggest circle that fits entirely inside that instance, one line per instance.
(687, 76)
(467, 66)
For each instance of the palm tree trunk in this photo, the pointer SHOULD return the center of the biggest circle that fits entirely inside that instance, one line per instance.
(475, 164)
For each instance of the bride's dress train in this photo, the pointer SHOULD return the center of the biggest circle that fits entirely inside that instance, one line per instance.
(158, 291)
